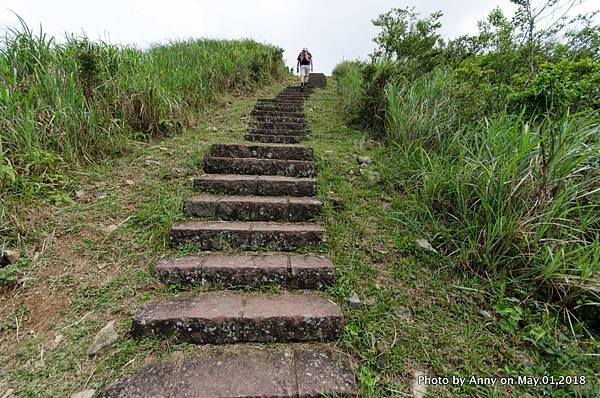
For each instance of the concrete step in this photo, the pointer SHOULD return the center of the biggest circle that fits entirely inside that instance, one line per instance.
(219, 318)
(299, 105)
(256, 235)
(270, 113)
(235, 184)
(292, 127)
(292, 152)
(275, 139)
(286, 270)
(276, 131)
(280, 119)
(241, 371)
(253, 208)
(280, 167)
(279, 107)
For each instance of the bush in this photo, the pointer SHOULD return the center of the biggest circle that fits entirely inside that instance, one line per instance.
(83, 101)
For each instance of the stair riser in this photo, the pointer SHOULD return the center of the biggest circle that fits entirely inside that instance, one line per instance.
(260, 188)
(279, 273)
(287, 168)
(276, 330)
(297, 115)
(262, 152)
(247, 240)
(279, 108)
(248, 211)
(281, 119)
(295, 127)
(276, 131)
(274, 139)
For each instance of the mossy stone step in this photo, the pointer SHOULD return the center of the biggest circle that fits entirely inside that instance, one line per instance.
(294, 127)
(253, 208)
(255, 235)
(218, 318)
(281, 167)
(289, 371)
(236, 184)
(275, 139)
(281, 151)
(292, 271)
(271, 113)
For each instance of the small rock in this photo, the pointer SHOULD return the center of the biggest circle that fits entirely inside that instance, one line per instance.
(337, 202)
(151, 162)
(129, 182)
(354, 301)
(81, 194)
(418, 390)
(110, 229)
(380, 361)
(425, 245)
(403, 313)
(105, 338)
(364, 160)
(84, 394)
(373, 176)
(9, 257)
(57, 340)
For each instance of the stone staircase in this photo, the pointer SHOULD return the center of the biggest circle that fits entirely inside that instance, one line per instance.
(256, 208)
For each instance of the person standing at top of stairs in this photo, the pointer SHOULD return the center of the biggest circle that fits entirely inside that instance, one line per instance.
(304, 66)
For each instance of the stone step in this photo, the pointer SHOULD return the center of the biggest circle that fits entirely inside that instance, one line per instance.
(280, 119)
(286, 270)
(256, 235)
(299, 115)
(275, 102)
(219, 318)
(280, 167)
(235, 184)
(292, 152)
(241, 371)
(295, 127)
(276, 131)
(275, 139)
(279, 107)
(253, 208)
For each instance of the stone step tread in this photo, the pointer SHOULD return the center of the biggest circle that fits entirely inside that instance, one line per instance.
(262, 151)
(267, 138)
(295, 271)
(253, 208)
(227, 317)
(277, 131)
(254, 235)
(242, 372)
(284, 167)
(244, 184)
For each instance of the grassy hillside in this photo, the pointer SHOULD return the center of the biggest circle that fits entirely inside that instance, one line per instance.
(493, 143)
(83, 101)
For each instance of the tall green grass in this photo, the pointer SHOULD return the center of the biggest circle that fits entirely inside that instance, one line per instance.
(505, 196)
(81, 101)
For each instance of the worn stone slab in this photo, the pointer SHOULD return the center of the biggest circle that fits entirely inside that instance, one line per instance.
(253, 208)
(279, 107)
(240, 372)
(292, 128)
(217, 318)
(256, 112)
(286, 270)
(291, 152)
(282, 167)
(280, 119)
(277, 131)
(240, 184)
(275, 139)
(323, 372)
(256, 235)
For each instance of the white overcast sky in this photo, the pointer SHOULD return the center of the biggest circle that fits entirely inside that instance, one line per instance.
(333, 30)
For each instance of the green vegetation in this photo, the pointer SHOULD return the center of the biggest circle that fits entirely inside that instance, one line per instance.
(83, 101)
(493, 143)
